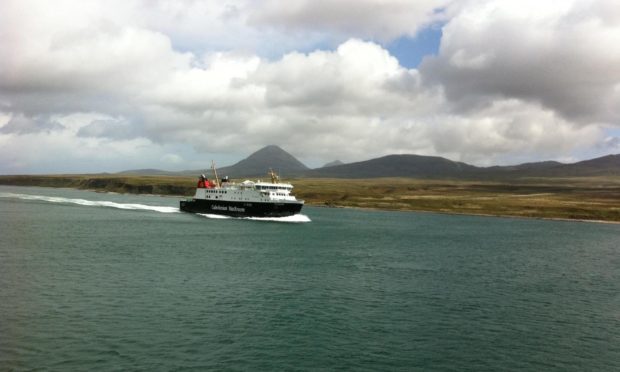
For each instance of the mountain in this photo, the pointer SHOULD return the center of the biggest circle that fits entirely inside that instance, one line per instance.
(608, 165)
(259, 163)
(526, 167)
(397, 166)
(417, 166)
(332, 164)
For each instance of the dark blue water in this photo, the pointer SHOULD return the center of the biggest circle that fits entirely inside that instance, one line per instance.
(92, 281)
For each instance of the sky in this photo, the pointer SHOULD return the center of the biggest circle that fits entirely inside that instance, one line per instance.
(105, 86)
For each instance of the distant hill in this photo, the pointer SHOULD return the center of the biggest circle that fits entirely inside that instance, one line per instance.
(332, 164)
(415, 166)
(259, 163)
(525, 167)
(255, 165)
(604, 166)
(397, 166)
(418, 166)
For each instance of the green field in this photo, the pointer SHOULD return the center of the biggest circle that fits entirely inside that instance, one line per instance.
(595, 198)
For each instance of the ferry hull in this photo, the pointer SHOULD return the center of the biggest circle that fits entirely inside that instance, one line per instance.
(240, 209)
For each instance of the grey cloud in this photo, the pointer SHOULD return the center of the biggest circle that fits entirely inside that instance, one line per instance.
(610, 143)
(21, 124)
(384, 20)
(43, 102)
(568, 61)
(112, 129)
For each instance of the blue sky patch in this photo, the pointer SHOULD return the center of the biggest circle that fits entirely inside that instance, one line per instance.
(410, 51)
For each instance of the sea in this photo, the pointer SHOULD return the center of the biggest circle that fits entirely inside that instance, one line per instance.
(100, 281)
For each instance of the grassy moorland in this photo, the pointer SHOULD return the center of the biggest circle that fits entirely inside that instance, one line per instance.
(576, 198)
(161, 185)
(593, 198)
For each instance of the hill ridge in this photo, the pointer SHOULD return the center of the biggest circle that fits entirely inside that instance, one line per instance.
(403, 165)
(259, 162)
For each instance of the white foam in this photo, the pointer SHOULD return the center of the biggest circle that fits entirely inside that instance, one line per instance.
(214, 216)
(92, 203)
(296, 218)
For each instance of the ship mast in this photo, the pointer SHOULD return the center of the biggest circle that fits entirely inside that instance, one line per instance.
(217, 180)
(274, 176)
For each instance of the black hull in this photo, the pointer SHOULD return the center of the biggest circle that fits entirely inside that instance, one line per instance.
(240, 209)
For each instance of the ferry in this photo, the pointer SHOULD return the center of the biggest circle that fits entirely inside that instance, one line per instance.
(244, 199)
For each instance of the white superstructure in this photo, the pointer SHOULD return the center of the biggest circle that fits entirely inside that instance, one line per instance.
(253, 199)
(248, 191)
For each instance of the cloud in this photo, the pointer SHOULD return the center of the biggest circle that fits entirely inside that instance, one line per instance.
(21, 124)
(61, 151)
(368, 19)
(110, 128)
(562, 55)
(171, 159)
(610, 143)
(509, 131)
(510, 83)
(310, 102)
(356, 71)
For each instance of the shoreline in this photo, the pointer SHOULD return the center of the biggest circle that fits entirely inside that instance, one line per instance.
(455, 213)
(322, 205)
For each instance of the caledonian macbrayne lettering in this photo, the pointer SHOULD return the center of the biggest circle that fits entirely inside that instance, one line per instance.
(230, 208)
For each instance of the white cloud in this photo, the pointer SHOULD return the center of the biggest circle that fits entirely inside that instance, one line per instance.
(563, 55)
(121, 84)
(509, 131)
(173, 159)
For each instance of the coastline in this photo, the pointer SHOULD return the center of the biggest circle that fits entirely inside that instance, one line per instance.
(321, 193)
(456, 213)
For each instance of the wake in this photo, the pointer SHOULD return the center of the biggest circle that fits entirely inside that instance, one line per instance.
(297, 218)
(91, 203)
